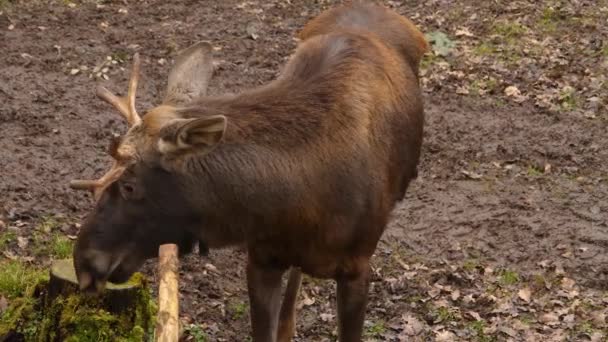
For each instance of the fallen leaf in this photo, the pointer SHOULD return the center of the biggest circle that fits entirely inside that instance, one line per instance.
(463, 32)
(326, 317)
(22, 242)
(567, 283)
(525, 294)
(549, 319)
(412, 326)
(474, 315)
(512, 91)
(211, 268)
(445, 336)
(508, 331)
(3, 304)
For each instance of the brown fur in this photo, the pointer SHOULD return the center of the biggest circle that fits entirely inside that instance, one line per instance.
(307, 171)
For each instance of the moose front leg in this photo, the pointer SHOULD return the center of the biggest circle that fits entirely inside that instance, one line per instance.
(352, 302)
(287, 317)
(264, 285)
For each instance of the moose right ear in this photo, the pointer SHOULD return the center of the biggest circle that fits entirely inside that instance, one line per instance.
(198, 135)
(190, 75)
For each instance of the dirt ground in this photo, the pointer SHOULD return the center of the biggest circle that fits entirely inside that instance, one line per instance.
(504, 234)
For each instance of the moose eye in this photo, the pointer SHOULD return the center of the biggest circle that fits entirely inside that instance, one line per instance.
(127, 190)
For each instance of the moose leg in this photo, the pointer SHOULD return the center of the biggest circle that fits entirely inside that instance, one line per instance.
(287, 317)
(352, 301)
(264, 285)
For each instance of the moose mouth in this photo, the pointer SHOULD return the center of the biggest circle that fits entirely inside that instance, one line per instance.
(98, 268)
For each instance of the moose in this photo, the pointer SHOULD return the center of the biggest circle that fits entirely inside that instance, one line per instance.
(303, 172)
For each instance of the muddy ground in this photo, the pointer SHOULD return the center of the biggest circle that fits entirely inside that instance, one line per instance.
(504, 234)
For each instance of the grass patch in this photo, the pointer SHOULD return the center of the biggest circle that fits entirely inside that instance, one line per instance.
(443, 315)
(568, 98)
(196, 332)
(485, 49)
(49, 241)
(239, 310)
(377, 329)
(470, 264)
(477, 328)
(549, 19)
(16, 278)
(509, 30)
(534, 171)
(508, 277)
(6, 238)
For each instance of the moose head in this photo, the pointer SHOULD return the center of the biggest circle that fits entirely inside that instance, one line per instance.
(137, 205)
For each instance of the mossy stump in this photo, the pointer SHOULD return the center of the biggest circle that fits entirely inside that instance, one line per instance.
(55, 310)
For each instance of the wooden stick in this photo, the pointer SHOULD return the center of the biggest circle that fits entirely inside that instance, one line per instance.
(167, 322)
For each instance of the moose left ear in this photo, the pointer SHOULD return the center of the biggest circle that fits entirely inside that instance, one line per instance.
(195, 135)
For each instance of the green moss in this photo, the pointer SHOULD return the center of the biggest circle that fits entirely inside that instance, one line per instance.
(78, 317)
(61, 247)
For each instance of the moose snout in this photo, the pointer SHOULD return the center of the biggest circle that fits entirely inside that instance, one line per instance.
(94, 268)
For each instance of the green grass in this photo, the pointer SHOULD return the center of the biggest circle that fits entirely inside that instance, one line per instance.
(49, 241)
(470, 264)
(6, 238)
(376, 329)
(526, 319)
(534, 171)
(443, 314)
(16, 278)
(549, 20)
(239, 310)
(569, 99)
(508, 277)
(477, 327)
(196, 332)
(485, 49)
(61, 247)
(509, 30)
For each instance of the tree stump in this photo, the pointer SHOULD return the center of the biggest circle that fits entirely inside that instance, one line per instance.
(57, 311)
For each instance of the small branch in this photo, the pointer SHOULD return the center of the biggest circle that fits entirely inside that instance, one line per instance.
(167, 322)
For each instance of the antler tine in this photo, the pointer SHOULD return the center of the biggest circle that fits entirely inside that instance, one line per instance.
(81, 184)
(97, 186)
(125, 105)
(133, 90)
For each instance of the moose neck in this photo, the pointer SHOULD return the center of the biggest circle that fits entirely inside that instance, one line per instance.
(274, 149)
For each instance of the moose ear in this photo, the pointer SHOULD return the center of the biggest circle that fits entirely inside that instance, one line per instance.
(195, 135)
(189, 77)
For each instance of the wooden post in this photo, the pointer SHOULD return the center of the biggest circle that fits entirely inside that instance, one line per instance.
(167, 322)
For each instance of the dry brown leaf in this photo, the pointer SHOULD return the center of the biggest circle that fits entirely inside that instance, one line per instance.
(525, 294)
(3, 304)
(412, 326)
(549, 319)
(445, 336)
(567, 283)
